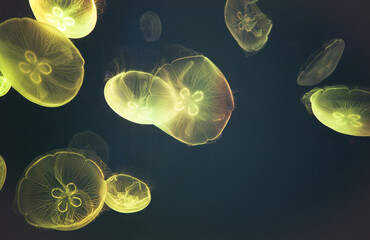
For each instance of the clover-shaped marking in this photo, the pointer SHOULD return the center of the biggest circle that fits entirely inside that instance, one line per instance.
(248, 24)
(67, 197)
(57, 18)
(33, 67)
(352, 119)
(189, 102)
(142, 112)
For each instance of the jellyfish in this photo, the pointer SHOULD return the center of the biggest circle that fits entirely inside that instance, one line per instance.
(321, 63)
(4, 86)
(126, 194)
(340, 108)
(63, 190)
(76, 19)
(249, 26)
(2, 172)
(40, 62)
(204, 101)
(140, 97)
(150, 26)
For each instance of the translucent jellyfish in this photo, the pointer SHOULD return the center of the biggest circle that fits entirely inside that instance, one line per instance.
(140, 97)
(63, 190)
(76, 19)
(4, 86)
(127, 194)
(204, 101)
(150, 26)
(340, 108)
(2, 172)
(40, 62)
(248, 25)
(321, 63)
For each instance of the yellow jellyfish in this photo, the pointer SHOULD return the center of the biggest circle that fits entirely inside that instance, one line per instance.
(127, 194)
(340, 108)
(150, 26)
(2, 172)
(140, 97)
(76, 19)
(40, 62)
(4, 86)
(63, 190)
(204, 101)
(249, 26)
(321, 63)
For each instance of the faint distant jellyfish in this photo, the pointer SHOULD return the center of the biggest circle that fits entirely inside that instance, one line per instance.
(248, 25)
(4, 86)
(2, 172)
(204, 101)
(340, 108)
(76, 19)
(40, 62)
(150, 26)
(321, 63)
(63, 190)
(127, 194)
(140, 97)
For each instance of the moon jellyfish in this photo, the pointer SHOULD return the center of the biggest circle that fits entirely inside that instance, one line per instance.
(340, 108)
(249, 26)
(150, 26)
(127, 194)
(40, 62)
(4, 86)
(76, 19)
(140, 97)
(204, 101)
(321, 63)
(62, 190)
(2, 172)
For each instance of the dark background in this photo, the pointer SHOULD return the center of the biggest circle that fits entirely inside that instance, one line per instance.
(275, 174)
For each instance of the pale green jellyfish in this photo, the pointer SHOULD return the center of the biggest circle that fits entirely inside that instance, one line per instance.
(4, 86)
(40, 62)
(127, 194)
(63, 190)
(321, 63)
(340, 108)
(2, 172)
(150, 26)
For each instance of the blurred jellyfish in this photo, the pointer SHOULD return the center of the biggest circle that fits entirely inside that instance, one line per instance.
(150, 26)
(40, 62)
(249, 26)
(2, 172)
(63, 190)
(321, 63)
(140, 97)
(342, 109)
(127, 194)
(4, 86)
(204, 101)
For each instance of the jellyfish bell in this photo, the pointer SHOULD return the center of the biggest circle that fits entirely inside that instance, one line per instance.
(322, 63)
(2, 172)
(62, 190)
(4, 86)
(150, 26)
(340, 108)
(127, 194)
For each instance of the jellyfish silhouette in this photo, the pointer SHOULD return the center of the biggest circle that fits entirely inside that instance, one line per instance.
(2, 172)
(62, 190)
(150, 26)
(321, 63)
(40, 62)
(340, 108)
(4, 86)
(126, 194)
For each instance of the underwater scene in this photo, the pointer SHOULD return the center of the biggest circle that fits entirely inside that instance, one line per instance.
(186, 120)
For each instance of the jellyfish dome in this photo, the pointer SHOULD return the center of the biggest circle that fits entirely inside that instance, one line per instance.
(126, 194)
(40, 62)
(76, 19)
(340, 108)
(204, 101)
(62, 190)
(2, 172)
(4, 86)
(150, 26)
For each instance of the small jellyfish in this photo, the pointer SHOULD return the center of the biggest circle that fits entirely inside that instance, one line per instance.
(249, 26)
(2, 172)
(321, 63)
(4, 86)
(76, 19)
(63, 190)
(126, 194)
(340, 108)
(204, 101)
(40, 62)
(150, 26)
(140, 97)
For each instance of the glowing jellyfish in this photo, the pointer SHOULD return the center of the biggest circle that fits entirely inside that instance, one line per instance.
(321, 63)
(2, 172)
(150, 26)
(249, 26)
(127, 194)
(204, 101)
(342, 109)
(140, 97)
(40, 62)
(4, 86)
(62, 190)
(75, 19)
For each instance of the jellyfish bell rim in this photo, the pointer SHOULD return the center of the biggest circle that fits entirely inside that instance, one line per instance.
(3, 163)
